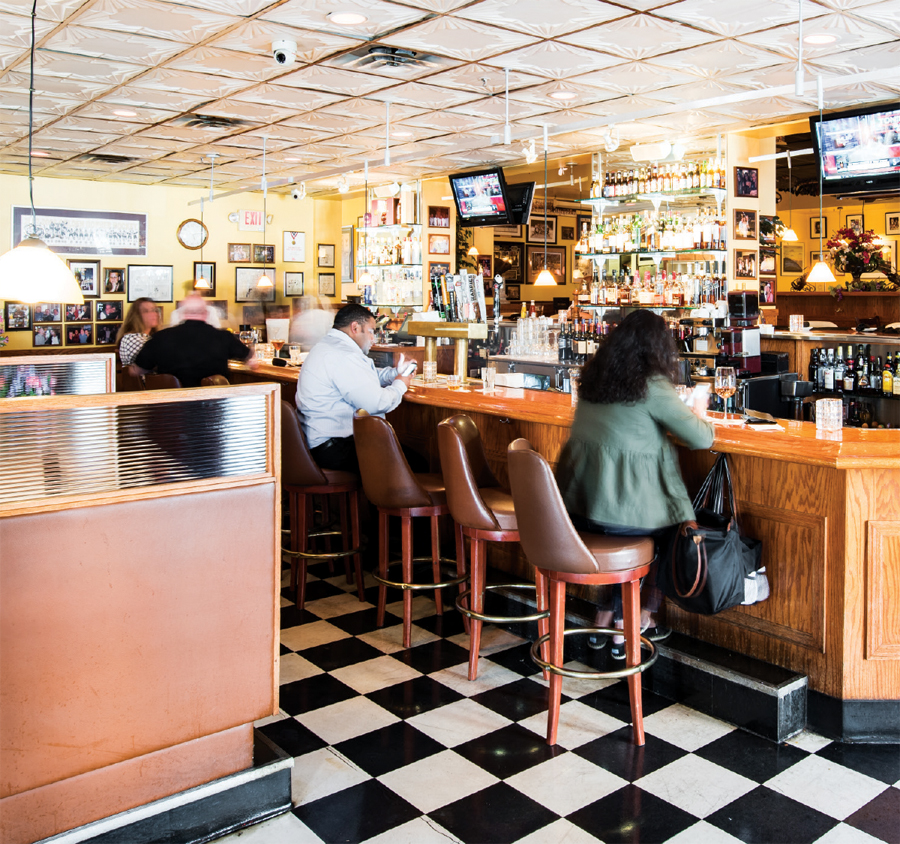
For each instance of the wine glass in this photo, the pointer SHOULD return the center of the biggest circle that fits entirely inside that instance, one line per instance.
(277, 344)
(726, 384)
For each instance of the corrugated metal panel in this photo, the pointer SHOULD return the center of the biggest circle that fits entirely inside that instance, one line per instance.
(55, 378)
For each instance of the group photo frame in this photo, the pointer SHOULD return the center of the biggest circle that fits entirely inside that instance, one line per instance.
(745, 224)
(746, 182)
(153, 281)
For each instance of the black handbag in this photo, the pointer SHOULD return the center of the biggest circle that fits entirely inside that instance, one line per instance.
(708, 566)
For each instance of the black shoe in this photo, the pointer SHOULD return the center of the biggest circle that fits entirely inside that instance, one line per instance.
(657, 633)
(596, 641)
(617, 650)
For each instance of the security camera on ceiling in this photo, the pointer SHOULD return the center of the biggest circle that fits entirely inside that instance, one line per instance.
(295, 193)
(284, 52)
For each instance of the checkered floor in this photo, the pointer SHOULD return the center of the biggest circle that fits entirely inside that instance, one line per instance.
(395, 745)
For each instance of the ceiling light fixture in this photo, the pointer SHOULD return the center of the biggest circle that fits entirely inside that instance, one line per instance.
(789, 234)
(201, 282)
(401, 134)
(799, 81)
(562, 95)
(608, 141)
(820, 273)
(264, 282)
(39, 153)
(820, 40)
(545, 277)
(30, 272)
(346, 18)
(124, 112)
(473, 252)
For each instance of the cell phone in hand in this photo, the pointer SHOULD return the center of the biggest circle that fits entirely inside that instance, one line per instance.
(409, 368)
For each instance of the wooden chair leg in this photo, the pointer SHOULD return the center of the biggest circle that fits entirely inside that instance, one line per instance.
(302, 545)
(294, 516)
(345, 534)
(541, 582)
(476, 601)
(557, 626)
(632, 611)
(407, 556)
(382, 565)
(436, 563)
(354, 533)
(461, 566)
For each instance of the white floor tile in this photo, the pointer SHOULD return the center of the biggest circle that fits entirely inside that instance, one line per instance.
(418, 831)
(336, 605)
(458, 722)
(810, 742)
(285, 829)
(573, 687)
(437, 780)
(704, 833)
(347, 719)
(578, 724)
(845, 834)
(490, 676)
(340, 581)
(285, 602)
(566, 783)
(389, 640)
(422, 607)
(271, 719)
(831, 789)
(320, 773)
(559, 832)
(294, 667)
(493, 639)
(696, 785)
(685, 728)
(373, 674)
(311, 635)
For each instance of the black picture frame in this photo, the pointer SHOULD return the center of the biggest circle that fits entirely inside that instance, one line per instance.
(18, 316)
(48, 332)
(293, 283)
(207, 270)
(556, 263)
(263, 253)
(439, 216)
(509, 260)
(327, 284)
(536, 229)
(567, 232)
(325, 255)
(87, 274)
(153, 281)
(80, 335)
(818, 227)
(106, 333)
(746, 182)
(245, 289)
(109, 310)
(513, 292)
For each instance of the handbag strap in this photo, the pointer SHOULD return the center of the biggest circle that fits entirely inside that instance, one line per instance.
(702, 570)
(729, 486)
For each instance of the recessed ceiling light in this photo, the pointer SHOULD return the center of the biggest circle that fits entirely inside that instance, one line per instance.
(124, 113)
(401, 134)
(819, 39)
(293, 159)
(39, 153)
(347, 18)
(563, 95)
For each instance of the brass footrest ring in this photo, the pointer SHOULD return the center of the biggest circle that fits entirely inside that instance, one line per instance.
(324, 555)
(643, 665)
(499, 619)
(444, 563)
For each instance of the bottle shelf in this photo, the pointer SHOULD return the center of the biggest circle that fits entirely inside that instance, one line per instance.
(690, 193)
(649, 307)
(856, 395)
(662, 253)
(387, 266)
(376, 230)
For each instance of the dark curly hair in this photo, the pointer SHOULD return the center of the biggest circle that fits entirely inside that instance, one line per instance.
(641, 347)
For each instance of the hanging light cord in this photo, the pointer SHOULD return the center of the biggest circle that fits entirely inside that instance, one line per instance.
(31, 123)
(545, 198)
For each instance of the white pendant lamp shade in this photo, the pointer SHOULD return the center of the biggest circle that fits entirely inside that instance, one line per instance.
(821, 274)
(789, 235)
(264, 282)
(201, 283)
(545, 279)
(32, 273)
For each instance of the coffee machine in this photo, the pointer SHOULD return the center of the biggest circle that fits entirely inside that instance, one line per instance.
(740, 340)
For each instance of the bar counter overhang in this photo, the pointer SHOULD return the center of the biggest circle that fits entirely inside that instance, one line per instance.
(826, 506)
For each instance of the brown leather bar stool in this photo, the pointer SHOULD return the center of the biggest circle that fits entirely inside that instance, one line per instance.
(484, 513)
(562, 555)
(301, 478)
(215, 381)
(161, 382)
(396, 490)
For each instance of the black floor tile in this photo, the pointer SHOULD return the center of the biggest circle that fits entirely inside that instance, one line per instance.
(446, 625)
(363, 621)
(631, 814)
(312, 693)
(617, 753)
(293, 616)
(508, 751)
(496, 815)
(879, 761)
(292, 737)
(389, 748)
(433, 656)
(316, 589)
(751, 756)
(518, 659)
(356, 813)
(282, 650)
(341, 653)
(613, 700)
(517, 700)
(414, 697)
(762, 816)
(880, 817)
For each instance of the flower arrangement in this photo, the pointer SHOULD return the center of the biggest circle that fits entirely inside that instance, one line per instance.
(856, 253)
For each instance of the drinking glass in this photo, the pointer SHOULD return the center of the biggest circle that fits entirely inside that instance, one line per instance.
(265, 352)
(488, 374)
(276, 345)
(726, 384)
(295, 352)
(829, 414)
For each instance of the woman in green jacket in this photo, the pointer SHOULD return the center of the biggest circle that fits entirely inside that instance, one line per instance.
(619, 472)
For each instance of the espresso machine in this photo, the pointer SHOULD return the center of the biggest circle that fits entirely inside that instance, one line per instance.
(740, 340)
(700, 343)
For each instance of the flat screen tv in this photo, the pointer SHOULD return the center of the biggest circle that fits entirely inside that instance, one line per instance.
(859, 150)
(520, 198)
(481, 198)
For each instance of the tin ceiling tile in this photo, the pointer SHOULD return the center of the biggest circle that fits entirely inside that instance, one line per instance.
(118, 46)
(70, 66)
(719, 59)
(215, 62)
(457, 38)
(704, 89)
(847, 32)
(295, 99)
(535, 18)
(57, 11)
(373, 110)
(256, 36)
(249, 110)
(334, 81)
(634, 78)
(640, 36)
(190, 84)
(885, 13)
(424, 96)
(154, 18)
(483, 79)
(137, 115)
(494, 108)
(553, 59)
(15, 30)
(734, 17)
(326, 122)
(380, 16)
(171, 101)
(447, 122)
(883, 57)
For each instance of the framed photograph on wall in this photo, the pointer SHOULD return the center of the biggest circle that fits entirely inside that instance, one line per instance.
(506, 231)
(567, 232)
(87, 274)
(114, 280)
(293, 283)
(80, 335)
(536, 229)
(792, 257)
(239, 253)
(745, 263)
(484, 264)
(347, 262)
(207, 271)
(855, 222)
(436, 269)
(745, 227)
(263, 253)
(106, 333)
(326, 284)
(767, 226)
(746, 182)
(18, 316)
(51, 335)
(509, 260)
(47, 312)
(766, 290)
(439, 244)
(70, 231)
(294, 247)
(556, 263)
(892, 223)
(768, 262)
(153, 281)
(582, 225)
(439, 216)
(245, 289)
(325, 255)
(78, 313)
(818, 227)
(112, 310)
(513, 292)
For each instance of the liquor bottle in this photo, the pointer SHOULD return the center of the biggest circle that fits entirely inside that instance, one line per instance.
(580, 344)
(887, 376)
(876, 369)
(562, 343)
(897, 373)
(862, 380)
(839, 370)
(828, 372)
(849, 371)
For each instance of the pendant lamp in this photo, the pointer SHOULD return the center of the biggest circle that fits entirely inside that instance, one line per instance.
(789, 234)
(200, 281)
(820, 273)
(545, 277)
(366, 279)
(264, 282)
(31, 272)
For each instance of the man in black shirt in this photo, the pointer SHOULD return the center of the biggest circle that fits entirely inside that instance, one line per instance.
(192, 350)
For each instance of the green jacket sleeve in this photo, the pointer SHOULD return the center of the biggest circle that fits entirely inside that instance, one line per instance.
(672, 414)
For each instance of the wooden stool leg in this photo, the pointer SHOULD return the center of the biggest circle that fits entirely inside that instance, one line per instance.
(302, 545)
(326, 519)
(436, 564)
(461, 566)
(407, 555)
(295, 542)
(345, 534)
(541, 582)
(632, 612)
(476, 601)
(354, 533)
(382, 565)
(557, 626)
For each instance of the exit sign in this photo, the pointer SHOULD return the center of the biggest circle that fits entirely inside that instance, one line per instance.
(250, 221)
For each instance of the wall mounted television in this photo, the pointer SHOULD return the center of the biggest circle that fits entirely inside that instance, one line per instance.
(520, 196)
(481, 197)
(858, 150)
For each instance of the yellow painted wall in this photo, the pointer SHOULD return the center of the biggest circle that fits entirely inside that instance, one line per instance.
(166, 208)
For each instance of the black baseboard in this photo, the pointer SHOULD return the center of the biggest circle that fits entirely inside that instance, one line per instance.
(862, 721)
(203, 813)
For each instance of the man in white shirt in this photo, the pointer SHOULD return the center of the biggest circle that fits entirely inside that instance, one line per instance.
(337, 379)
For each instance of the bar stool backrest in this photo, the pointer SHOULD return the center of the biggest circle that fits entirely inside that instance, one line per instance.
(388, 481)
(215, 381)
(466, 471)
(161, 382)
(548, 537)
(298, 468)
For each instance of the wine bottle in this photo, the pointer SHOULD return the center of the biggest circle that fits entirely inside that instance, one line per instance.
(828, 373)
(887, 377)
